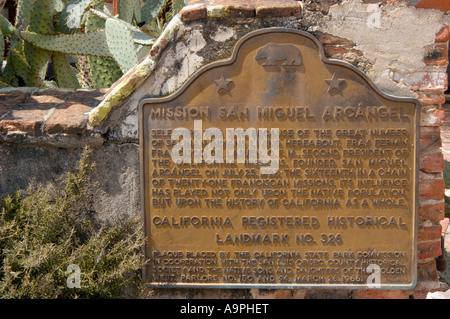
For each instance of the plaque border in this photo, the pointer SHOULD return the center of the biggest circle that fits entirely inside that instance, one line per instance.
(158, 99)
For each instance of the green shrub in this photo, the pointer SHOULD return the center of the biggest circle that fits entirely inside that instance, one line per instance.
(43, 231)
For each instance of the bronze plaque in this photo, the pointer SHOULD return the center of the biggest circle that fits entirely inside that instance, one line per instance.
(279, 168)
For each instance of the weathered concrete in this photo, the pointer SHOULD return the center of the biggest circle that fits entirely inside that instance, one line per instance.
(114, 183)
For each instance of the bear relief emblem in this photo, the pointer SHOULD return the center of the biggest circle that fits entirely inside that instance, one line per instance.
(274, 53)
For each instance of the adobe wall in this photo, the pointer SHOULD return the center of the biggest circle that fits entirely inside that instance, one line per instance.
(401, 48)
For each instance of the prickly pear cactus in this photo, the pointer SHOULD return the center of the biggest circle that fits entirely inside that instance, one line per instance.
(104, 70)
(130, 11)
(151, 9)
(38, 59)
(53, 31)
(84, 73)
(91, 43)
(66, 75)
(119, 36)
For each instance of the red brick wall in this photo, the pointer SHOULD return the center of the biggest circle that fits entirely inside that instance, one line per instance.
(443, 5)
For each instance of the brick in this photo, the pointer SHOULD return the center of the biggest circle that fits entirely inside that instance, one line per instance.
(29, 119)
(52, 97)
(380, 294)
(238, 8)
(278, 9)
(432, 163)
(329, 39)
(431, 188)
(58, 110)
(71, 119)
(437, 56)
(432, 117)
(10, 100)
(429, 249)
(433, 212)
(431, 98)
(28, 116)
(443, 5)
(429, 138)
(387, 2)
(338, 52)
(427, 271)
(443, 35)
(192, 13)
(432, 232)
(241, 12)
(89, 98)
(423, 81)
(246, 9)
(71, 116)
(322, 6)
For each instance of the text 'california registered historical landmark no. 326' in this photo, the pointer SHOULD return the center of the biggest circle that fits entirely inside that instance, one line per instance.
(279, 168)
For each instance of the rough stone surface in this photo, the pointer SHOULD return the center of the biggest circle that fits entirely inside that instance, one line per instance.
(112, 194)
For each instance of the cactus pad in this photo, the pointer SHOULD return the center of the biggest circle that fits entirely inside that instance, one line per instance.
(91, 43)
(130, 11)
(66, 75)
(119, 36)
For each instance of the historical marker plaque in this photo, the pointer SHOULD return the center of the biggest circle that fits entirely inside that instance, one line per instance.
(279, 168)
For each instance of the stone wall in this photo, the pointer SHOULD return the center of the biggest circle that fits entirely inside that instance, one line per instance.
(401, 48)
